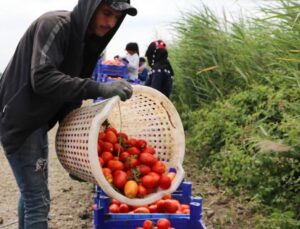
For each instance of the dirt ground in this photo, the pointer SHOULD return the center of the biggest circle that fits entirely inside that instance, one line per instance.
(71, 201)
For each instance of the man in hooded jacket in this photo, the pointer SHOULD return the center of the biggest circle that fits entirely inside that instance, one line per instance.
(48, 76)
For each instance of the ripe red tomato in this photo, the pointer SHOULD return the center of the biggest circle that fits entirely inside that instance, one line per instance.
(159, 167)
(148, 181)
(144, 169)
(163, 223)
(170, 206)
(133, 150)
(107, 156)
(147, 159)
(155, 176)
(114, 208)
(107, 146)
(124, 208)
(115, 165)
(124, 155)
(111, 137)
(119, 179)
(111, 129)
(141, 144)
(148, 224)
(165, 181)
(118, 148)
(149, 149)
(123, 137)
(141, 191)
(153, 208)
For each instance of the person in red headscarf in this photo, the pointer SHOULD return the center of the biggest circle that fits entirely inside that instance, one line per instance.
(161, 74)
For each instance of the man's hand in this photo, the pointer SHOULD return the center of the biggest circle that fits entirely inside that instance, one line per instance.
(119, 87)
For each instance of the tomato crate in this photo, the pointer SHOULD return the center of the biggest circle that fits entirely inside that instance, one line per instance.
(103, 71)
(104, 219)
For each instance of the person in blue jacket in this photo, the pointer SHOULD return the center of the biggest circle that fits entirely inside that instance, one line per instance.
(161, 74)
(49, 75)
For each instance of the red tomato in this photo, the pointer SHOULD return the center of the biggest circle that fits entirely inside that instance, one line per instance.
(147, 159)
(111, 137)
(115, 165)
(115, 201)
(124, 155)
(156, 177)
(124, 208)
(163, 223)
(165, 181)
(153, 208)
(160, 206)
(131, 142)
(107, 174)
(141, 144)
(107, 146)
(107, 156)
(101, 136)
(148, 181)
(148, 224)
(149, 149)
(144, 169)
(131, 162)
(170, 206)
(119, 179)
(123, 137)
(159, 167)
(114, 208)
(141, 191)
(133, 150)
(118, 148)
(111, 129)
(101, 162)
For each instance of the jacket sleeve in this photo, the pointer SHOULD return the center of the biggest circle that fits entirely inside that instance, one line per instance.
(49, 45)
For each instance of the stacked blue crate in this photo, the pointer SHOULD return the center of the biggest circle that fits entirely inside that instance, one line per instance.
(104, 219)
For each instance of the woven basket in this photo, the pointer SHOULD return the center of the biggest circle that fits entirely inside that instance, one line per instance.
(148, 115)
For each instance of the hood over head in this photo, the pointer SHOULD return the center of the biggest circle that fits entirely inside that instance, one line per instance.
(84, 10)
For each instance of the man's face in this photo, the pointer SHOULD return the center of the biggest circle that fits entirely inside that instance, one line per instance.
(104, 19)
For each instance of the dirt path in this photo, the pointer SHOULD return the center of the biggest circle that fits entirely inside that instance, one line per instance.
(70, 200)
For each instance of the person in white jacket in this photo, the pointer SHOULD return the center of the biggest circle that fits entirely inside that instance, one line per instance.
(132, 57)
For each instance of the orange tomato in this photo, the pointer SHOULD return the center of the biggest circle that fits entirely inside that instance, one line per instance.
(141, 210)
(131, 189)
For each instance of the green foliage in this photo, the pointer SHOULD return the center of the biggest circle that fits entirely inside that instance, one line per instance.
(237, 88)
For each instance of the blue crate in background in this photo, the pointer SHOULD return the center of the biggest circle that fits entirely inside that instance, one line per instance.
(104, 219)
(103, 71)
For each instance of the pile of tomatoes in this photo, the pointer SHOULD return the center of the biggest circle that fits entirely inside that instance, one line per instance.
(162, 223)
(164, 205)
(130, 164)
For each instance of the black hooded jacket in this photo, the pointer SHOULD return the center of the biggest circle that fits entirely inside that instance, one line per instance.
(50, 72)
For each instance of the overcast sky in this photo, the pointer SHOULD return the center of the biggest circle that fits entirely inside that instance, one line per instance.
(152, 22)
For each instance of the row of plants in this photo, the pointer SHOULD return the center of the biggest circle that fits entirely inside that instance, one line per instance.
(237, 88)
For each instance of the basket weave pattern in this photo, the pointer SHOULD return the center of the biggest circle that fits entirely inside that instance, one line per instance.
(147, 115)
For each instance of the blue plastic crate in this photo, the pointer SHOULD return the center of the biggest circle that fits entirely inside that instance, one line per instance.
(104, 219)
(103, 71)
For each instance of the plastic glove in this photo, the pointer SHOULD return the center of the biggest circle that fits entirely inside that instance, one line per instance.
(119, 87)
